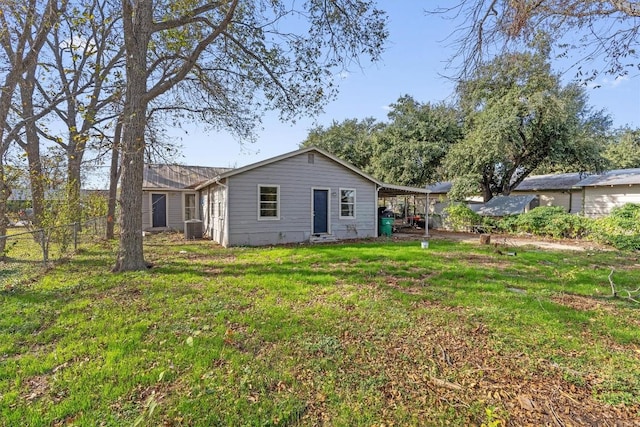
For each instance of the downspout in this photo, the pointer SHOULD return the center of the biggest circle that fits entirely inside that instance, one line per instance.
(225, 238)
(377, 219)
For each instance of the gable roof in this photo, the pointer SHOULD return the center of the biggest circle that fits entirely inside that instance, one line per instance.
(232, 172)
(177, 176)
(612, 177)
(558, 181)
(506, 205)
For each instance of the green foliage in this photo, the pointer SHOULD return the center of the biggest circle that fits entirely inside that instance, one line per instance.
(624, 151)
(552, 221)
(621, 229)
(518, 118)
(349, 140)
(407, 150)
(410, 148)
(460, 217)
(94, 205)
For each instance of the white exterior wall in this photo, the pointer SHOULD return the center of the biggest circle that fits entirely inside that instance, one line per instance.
(598, 201)
(296, 178)
(571, 201)
(175, 208)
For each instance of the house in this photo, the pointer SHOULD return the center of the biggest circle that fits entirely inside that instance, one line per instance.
(554, 190)
(169, 195)
(304, 195)
(603, 192)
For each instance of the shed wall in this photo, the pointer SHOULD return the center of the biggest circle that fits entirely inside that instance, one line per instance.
(571, 201)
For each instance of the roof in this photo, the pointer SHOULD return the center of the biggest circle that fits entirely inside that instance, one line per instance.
(390, 190)
(232, 172)
(559, 181)
(612, 177)
(441, 187)
(385, 190)
(506, 205)
(178, 176)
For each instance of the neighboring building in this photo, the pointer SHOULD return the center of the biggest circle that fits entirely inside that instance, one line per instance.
(500, 206)
(554, 190)
(170, 197)
(305, 195)
(601, 193)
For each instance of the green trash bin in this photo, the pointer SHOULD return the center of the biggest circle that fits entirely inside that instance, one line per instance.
(386, 226)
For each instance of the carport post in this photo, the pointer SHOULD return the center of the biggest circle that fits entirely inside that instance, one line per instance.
(426, 214)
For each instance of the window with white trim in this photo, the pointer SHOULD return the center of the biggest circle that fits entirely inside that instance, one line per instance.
(347, 203)
(268, 202)
(190, 208)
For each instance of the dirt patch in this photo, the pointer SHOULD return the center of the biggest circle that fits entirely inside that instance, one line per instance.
(583, 303)
(503, 240)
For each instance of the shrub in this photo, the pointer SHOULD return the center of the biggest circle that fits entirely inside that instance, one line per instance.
(460, 217)
(552, 221)
(621, 229)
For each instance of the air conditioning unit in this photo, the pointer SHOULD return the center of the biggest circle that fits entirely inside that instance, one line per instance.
(193, 229)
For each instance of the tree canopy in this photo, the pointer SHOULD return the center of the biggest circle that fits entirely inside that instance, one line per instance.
(604, 29)
(623, 152)
(350, 140)
(518, 117)
(410, 147)
(243, 56)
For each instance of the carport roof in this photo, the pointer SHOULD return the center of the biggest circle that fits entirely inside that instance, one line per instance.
(391, 190)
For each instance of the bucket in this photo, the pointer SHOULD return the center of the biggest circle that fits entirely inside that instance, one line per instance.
(425, 244)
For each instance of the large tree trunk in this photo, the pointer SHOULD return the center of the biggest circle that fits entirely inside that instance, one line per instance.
(32, 146)
(114, 177)
(74, 184)
(138, 22)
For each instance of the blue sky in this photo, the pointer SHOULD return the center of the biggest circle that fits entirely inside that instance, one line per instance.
(412, 64)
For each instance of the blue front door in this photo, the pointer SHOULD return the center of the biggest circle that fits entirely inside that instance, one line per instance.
(320, 211)
(158, 210)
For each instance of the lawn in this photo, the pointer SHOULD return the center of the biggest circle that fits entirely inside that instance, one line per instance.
(364, 333)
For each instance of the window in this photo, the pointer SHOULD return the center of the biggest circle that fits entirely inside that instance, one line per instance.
(347, 203)
(190, 207)
(269, 202)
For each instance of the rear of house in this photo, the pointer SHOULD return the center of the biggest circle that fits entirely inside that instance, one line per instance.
(169, 195)
(301, 196)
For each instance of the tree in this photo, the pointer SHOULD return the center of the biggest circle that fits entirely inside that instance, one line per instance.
(23, 31)
(350, 140)
(623, 152)
(410, 148)
(232, 48)
(606, 29)
(84, 66)
(518, 118)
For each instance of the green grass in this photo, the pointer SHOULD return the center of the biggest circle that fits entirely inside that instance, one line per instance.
(345, 334)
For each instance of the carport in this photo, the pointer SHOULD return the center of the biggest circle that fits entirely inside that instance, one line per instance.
(407, 202)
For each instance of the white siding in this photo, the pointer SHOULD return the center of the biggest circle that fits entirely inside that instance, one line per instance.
(571, 201)
(598, 201)
(218, 214)
(296, 178)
